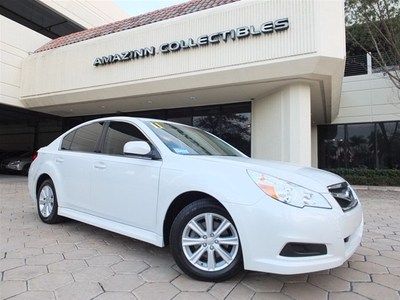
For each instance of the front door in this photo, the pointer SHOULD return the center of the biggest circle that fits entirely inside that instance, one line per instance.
(125, 188)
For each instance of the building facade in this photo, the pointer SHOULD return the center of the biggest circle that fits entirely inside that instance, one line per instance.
(267, 76)
(366, 132)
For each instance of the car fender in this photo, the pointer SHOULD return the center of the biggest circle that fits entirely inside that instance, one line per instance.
(228, 190)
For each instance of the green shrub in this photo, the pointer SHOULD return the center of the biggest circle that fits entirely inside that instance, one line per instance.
(358, 176)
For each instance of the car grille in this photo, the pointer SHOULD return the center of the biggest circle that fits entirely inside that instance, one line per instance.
(344, 195)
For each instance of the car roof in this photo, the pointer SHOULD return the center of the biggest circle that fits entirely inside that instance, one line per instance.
(125, 118)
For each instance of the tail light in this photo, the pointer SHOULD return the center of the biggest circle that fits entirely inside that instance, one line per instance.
(34, 155)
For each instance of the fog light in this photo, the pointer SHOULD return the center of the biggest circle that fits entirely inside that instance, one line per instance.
(303, 249)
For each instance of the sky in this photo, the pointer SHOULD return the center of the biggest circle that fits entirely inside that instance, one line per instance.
(137, 7)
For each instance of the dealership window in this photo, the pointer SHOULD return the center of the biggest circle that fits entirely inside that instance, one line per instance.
(180, 115)
(22, 130)
(231, 122)
(27, 135)
(47, 131)
(235, 127)
(388, 145)
(364, 145)
(361, 145)
(208, 119)
(331, 146)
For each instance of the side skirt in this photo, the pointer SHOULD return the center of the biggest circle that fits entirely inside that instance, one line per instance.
(127, 230)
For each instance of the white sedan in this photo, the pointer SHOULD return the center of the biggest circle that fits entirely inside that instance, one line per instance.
(219, 210)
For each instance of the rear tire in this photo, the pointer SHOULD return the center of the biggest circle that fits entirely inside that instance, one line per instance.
(47, 204)
(208, 242)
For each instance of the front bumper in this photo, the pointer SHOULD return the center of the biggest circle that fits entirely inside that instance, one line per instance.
(266, 227)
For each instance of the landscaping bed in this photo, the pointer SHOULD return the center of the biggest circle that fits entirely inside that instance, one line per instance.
(380, 177)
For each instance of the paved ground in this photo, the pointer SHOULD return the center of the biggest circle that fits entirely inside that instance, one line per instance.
(77, 261)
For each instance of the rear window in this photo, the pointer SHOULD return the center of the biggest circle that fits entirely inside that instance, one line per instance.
(67, 140)
(84, 139)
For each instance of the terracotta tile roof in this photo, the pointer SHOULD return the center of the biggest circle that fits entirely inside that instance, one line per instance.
(144, 19)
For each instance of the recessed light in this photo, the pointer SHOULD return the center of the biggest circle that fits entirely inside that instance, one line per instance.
(193, 98)
(103, 107)
(149, 102)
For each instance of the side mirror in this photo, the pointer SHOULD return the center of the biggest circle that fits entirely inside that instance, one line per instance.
(140, 148)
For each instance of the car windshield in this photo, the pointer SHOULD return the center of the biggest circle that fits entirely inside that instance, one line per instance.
(186, 140)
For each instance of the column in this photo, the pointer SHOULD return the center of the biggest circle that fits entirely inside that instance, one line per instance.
(314, 146)
(281, 125)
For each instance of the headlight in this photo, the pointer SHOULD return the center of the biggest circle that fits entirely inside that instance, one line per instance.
(15, 162)
(288, 192)
(353, 192)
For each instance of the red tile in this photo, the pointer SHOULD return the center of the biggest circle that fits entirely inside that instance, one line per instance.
(148, 18)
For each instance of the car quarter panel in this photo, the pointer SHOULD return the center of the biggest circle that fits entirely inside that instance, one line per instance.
(44, 164)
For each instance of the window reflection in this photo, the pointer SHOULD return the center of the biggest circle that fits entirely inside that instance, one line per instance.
(388, 145)
(236, 127)
(332, 150)
(367, 145)
(180, 115)
(232, 123)
(361, 145)
(207, 119)
(27, 130)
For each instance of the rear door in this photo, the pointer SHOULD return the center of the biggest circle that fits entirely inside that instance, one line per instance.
(125, 188)
(74, 163)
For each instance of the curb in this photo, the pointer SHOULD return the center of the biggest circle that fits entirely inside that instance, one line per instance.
(377, 188)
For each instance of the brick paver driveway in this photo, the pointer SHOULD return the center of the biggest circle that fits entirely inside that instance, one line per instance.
(77, 261)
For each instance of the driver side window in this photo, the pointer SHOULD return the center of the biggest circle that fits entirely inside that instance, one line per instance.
(118, 134)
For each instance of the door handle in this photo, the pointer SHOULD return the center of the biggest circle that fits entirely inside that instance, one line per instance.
(100, 166)
(59, 159)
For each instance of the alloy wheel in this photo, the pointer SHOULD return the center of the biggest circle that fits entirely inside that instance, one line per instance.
(46, 201)
(210, 242)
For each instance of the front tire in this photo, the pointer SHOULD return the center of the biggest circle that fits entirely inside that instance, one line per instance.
(47, 204)
(205, 243)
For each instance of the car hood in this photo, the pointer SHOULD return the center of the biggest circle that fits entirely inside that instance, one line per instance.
(311, 178)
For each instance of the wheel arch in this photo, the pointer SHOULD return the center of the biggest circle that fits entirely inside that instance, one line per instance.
(40, 180)
(178, 204)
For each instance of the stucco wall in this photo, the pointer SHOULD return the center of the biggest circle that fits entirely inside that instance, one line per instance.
(67, 74)
(78, 58)
(368, 98)
(16, 41)
(88, 13)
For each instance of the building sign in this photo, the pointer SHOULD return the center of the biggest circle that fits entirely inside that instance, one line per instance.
(203, 40)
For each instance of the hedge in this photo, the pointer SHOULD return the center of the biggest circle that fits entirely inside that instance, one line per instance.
(358, 176)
